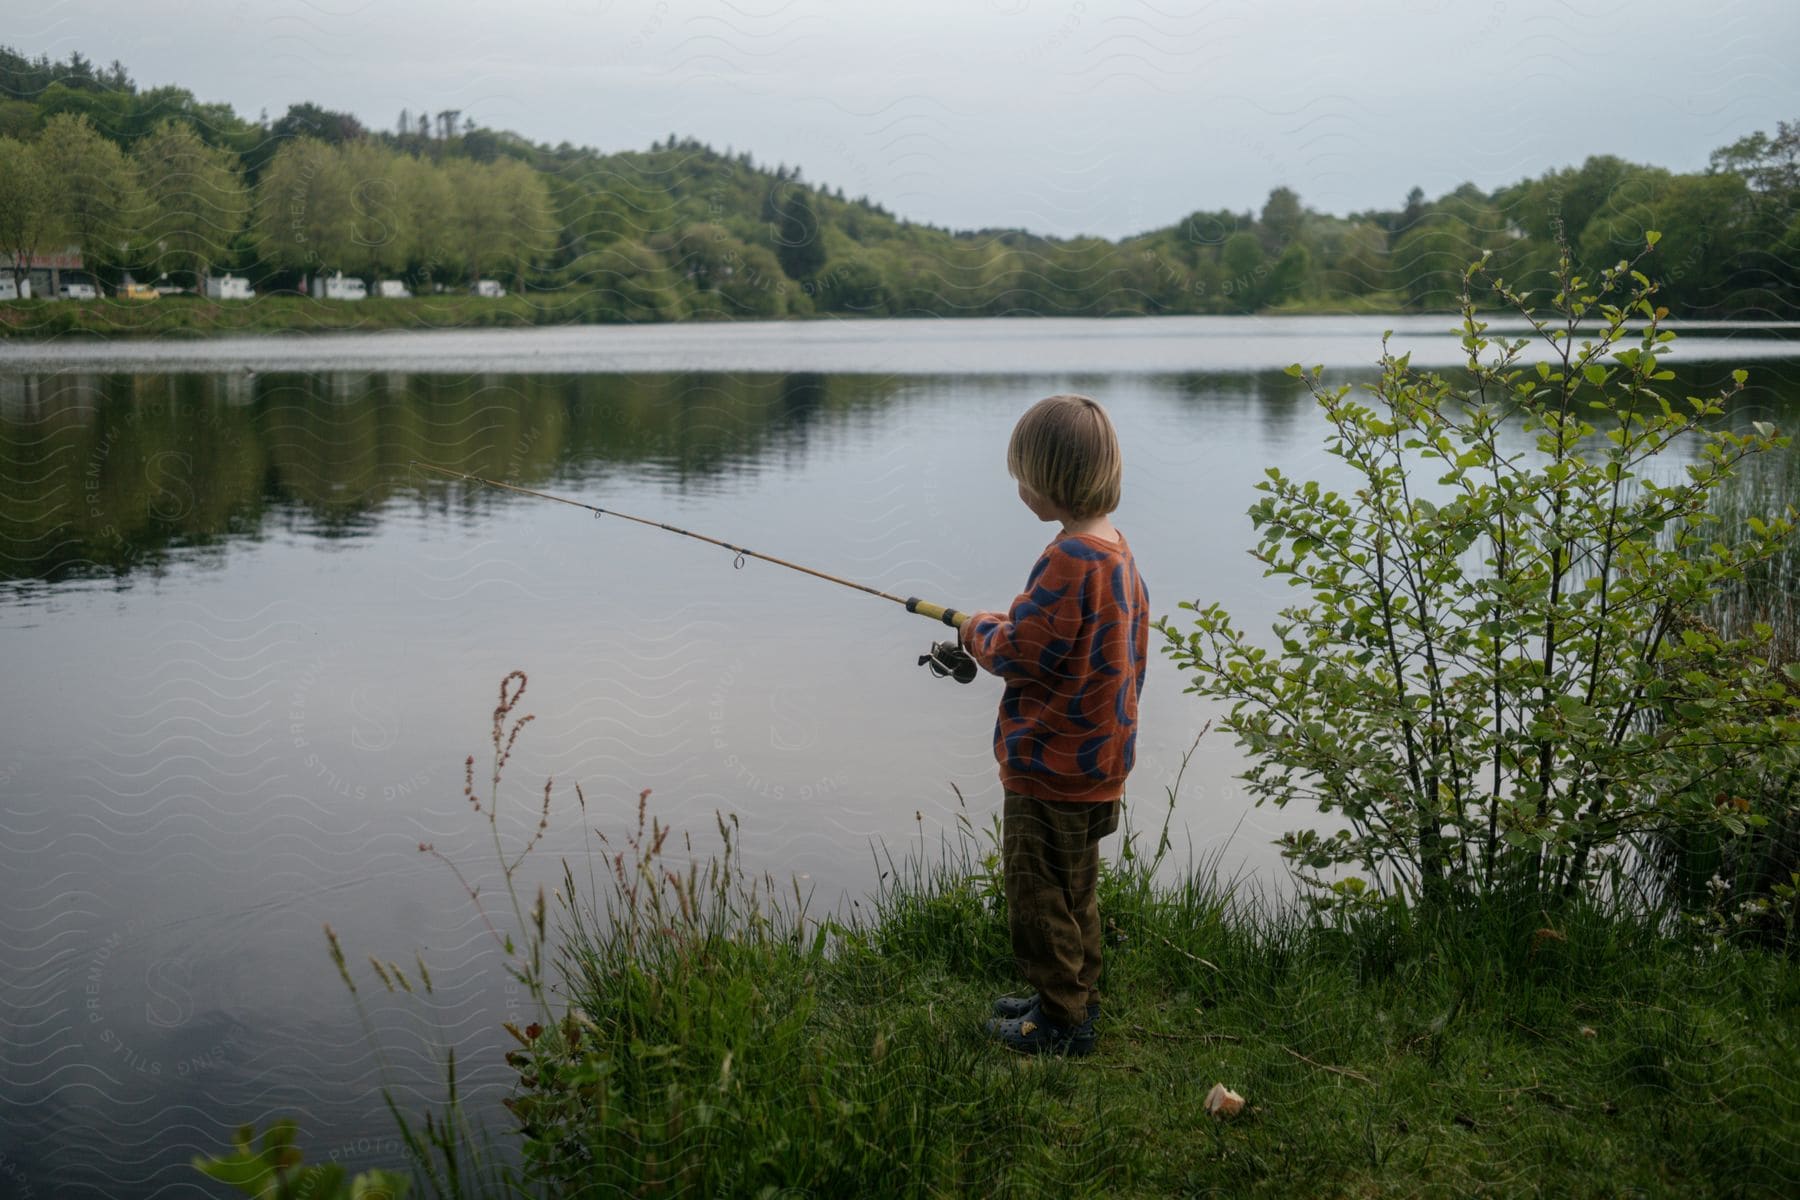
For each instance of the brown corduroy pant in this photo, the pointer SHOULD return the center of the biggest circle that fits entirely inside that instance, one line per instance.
(1050, 860)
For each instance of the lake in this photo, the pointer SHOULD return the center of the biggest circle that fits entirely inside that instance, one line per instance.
(249, 645)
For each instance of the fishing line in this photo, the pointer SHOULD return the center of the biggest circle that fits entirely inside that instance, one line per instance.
(944, 658)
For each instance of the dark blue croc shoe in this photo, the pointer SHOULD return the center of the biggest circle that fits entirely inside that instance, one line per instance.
(1034, 1033)
(1018, 1006)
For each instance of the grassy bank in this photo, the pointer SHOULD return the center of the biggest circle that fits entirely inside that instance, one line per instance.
(186, 316)
(720, 1046)
(1374, 304)
(176, 317)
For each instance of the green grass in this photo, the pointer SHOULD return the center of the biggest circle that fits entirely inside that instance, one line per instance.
(186, 316)
(724, 1046)
(698, 1032)
(1375, 304)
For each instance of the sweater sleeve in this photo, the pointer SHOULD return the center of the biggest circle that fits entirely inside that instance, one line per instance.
(1034, 637)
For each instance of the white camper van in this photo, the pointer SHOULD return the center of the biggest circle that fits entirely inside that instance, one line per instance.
(488, 287)
(337, 287)
(228, 287)
(11, 290)
(392, 289)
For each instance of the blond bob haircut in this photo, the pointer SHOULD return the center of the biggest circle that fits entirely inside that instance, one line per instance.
(1065, 449)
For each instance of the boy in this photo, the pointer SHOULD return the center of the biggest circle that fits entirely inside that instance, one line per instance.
(1072, 651)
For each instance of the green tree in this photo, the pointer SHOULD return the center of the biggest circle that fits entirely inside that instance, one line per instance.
(96, 191)
(915, 285)
(1292, 274)
(197, 201)
(1508, 724)
(1076, 274)
(854, 284)
(1281, 217)
(116, 115)
(483, 214)
(798, 246)
(1707, 215)
(18, 119)
(1360, 264)
(301, 216)
(1761, 263)
(1584, 192)
(728, 277)
(626, 281)
(1245, 269)
(757, 286)
(1427, 260)
(27, 206)
(308, 120)
(529, 227)
(377, 229)
(427, 212)
(1768, 164)
(593, 216)
(1413, 213)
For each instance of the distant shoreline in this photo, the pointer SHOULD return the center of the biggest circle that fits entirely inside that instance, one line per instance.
(193, 317)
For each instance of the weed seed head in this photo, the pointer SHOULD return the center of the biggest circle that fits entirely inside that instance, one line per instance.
(337, 956)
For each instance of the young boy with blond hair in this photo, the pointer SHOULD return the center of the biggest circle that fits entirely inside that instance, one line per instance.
(1072, 650)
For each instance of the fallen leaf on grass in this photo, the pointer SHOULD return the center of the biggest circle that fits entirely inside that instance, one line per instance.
(1223, 1102)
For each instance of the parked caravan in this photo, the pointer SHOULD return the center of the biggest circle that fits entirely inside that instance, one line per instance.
(338, 287)
(488, 287)
(10, 289)
(228, 287)
(392, 289)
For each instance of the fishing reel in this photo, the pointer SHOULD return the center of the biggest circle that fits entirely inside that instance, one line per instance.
(948, 658)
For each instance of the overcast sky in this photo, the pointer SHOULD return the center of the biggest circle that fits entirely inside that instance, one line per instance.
(1062, 116)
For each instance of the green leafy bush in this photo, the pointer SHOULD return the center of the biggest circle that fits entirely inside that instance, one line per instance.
(1501, 674)
(276, 1172)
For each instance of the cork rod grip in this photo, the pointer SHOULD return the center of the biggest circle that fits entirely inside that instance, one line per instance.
(936, 612)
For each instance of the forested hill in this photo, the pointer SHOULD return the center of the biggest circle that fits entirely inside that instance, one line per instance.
(154, 182)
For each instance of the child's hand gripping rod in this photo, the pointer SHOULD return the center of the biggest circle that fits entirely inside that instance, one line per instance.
(944, 658)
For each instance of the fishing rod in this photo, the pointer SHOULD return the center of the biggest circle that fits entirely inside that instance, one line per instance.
(944, 658)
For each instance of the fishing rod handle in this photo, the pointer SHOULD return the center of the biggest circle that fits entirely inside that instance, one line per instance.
(936, 612)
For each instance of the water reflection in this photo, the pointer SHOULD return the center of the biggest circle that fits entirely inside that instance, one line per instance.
(111, 475)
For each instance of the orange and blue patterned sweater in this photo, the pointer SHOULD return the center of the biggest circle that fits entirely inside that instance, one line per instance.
(1072, 650)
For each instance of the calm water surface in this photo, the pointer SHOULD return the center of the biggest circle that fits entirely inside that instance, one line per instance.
(248, 646)
(1036, 345)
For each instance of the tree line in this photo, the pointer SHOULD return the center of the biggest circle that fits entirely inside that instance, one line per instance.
(156, 181)
(175, 206)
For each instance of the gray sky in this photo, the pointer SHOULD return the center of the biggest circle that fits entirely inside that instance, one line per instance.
(1062, 116)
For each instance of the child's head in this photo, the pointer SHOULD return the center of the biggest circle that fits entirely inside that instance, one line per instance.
(1064, 449)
